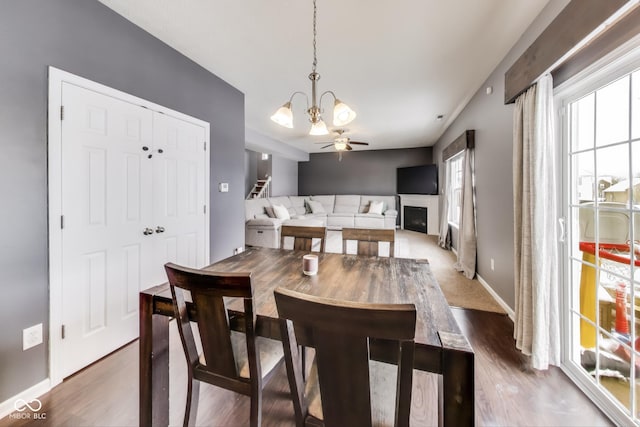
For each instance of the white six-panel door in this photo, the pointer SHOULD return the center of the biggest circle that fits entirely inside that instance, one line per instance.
(105, 171)
(133, 196)
(178, 202)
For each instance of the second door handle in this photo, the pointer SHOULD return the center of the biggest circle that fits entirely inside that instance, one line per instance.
(147, 231)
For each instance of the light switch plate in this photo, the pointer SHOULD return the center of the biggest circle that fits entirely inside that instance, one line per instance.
(223, 187)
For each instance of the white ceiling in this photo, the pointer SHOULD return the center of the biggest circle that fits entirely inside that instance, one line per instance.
(398, 64)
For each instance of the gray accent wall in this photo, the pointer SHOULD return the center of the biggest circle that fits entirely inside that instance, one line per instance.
(370, 172)
(88, 39)
(493, 123)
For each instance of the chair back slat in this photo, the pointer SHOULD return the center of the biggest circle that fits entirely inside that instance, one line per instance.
(340, 333)
(367, 248)
(404, 383)
(215, 334)
(303, 236)
(343, 375)
(368, 239)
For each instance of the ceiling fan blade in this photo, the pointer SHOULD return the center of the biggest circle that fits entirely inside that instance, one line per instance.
(349, 147)
(330, 145)
(325, 142)
(358, 143)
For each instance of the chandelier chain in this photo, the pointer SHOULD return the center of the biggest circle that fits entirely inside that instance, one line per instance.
(342, 114)
(315, 59)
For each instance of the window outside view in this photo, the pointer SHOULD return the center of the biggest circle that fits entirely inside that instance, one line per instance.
(604, 254)
(455, 188)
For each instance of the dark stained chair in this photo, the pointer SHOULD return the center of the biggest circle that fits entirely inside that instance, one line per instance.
(368, 239)
(345, 387)
(303, 236)
(229, 359)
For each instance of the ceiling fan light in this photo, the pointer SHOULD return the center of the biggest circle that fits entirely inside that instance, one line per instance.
(284, 116)
(319, 128)
(342, 113)
(340, 145)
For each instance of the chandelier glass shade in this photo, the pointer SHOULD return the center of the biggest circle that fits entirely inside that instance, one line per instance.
(342, 113)
(284, 116)
(318, 128)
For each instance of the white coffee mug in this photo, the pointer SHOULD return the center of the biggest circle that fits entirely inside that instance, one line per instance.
(310, 264)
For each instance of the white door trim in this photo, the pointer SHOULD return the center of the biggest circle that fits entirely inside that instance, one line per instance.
(616, 64)
(56, 79)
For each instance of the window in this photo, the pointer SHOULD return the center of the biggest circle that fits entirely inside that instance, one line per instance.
(454, 169)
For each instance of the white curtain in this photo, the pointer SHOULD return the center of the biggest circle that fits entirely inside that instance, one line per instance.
(466, 246)
(444, 238)
(536, 328)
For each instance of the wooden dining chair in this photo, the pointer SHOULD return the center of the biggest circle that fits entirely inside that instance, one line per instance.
(345, 387)
(303, 236)
(368, 239)
(236, 361)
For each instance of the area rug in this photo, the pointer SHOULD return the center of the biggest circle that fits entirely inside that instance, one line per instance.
(457, 289)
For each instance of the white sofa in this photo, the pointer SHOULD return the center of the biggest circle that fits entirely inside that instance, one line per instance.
(331, 211)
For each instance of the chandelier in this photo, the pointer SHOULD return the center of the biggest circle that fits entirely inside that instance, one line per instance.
(342, 114)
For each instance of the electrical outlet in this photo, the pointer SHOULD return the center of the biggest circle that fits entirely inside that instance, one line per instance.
(492, 265)
(32, 336)
(238, 250)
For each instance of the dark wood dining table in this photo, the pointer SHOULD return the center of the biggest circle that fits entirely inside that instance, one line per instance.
(441, 347)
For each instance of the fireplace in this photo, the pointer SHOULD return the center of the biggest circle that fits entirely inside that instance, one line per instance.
(415, 219)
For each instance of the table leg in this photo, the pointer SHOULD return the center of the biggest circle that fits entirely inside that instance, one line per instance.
(456, 385)
(154, 365)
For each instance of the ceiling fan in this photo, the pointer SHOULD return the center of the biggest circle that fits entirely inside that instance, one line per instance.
(342, 143)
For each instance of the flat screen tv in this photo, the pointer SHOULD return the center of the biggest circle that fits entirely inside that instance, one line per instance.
(417, 180)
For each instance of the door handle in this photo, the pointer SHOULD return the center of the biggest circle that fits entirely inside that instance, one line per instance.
(147, 231)
(159, 229)
(563, 231)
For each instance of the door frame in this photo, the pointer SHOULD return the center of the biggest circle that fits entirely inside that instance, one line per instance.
(617, 63)
(54, 161)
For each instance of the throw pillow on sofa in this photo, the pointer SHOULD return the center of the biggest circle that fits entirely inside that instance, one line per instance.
(375, 207)
(269, 211)
(316, 207)
(281, 212)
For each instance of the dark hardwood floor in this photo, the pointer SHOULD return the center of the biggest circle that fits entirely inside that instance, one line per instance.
(508, 393)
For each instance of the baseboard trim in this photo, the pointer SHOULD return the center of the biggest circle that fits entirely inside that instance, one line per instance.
(9, 405)
(504, 305)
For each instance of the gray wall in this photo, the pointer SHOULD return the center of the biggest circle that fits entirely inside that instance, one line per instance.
(283, 171)
(360, 172)
(264, 167)
(88, 39)
(250, 170)
(284, 176)
(493, 123)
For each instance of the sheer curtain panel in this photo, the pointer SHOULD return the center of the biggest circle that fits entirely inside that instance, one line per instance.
(536, 328)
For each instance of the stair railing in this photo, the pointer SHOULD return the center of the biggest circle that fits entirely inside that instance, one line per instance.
(261, 189)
